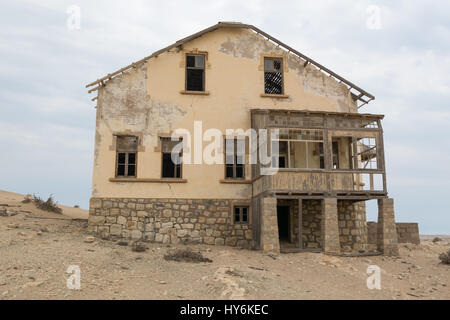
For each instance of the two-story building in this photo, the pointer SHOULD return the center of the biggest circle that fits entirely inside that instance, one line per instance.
(325, 158)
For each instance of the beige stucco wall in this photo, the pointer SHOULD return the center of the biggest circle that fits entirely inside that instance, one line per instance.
(146, 101)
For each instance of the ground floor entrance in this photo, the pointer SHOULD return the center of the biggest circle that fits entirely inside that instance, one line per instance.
(283, 217)
(332, 225)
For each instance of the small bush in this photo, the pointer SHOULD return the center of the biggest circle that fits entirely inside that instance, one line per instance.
(186, 255)
(445, 257)
(437, 239)
(49, 205)
(28, 199)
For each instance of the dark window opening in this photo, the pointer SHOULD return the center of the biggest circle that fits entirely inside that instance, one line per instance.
(170, 169)
(126, 148)
(283, 213)
(241, 214)
(234, 159)
(335, 155)
(280, 161)
(273, 76)
(195, 73)
(172, 156)
(322, 156)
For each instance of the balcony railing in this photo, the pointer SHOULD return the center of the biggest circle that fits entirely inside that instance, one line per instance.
(347, 182)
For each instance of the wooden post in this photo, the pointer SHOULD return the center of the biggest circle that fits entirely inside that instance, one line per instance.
(300, 223)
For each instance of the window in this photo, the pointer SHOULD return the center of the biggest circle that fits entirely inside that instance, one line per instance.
(195, 73)
(126, 158)
(365, 151)
(295, 148)
(342, 153)
(241, 214)
(282, 160)
(335, 146)
(234, 158)
(172, 156)
(273, 75)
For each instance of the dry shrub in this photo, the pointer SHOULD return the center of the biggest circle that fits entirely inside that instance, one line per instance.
(28, 199)
(445, 257)
(49, 205)
(437, 239)
(185, 255)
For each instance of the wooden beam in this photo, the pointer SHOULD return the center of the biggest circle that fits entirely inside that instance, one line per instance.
(300, 223)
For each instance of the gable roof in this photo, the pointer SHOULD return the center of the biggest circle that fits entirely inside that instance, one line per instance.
(358, 94)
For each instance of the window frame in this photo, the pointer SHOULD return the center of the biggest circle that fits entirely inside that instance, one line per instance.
(195, 68)
(281, 58)
(235, 164)
(162, 139)
(307, 142)
(127, 157)
(241, 207)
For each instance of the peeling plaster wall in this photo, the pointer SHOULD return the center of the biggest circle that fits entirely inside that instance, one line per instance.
(146, 101)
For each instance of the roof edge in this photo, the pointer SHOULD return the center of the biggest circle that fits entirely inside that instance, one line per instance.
(360, 94)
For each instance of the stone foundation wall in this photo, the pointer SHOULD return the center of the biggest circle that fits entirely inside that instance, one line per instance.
(352, 225)
(312, 217)
(168, 221)
(406, 233)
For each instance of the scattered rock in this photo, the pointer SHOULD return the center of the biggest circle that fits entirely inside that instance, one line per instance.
(185, 255)
(89, 239)
(44, 229)
(138, 247)
(445, 257)
(346, 249)
(122, 243)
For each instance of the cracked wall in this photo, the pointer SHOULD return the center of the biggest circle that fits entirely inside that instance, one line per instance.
(148, 101)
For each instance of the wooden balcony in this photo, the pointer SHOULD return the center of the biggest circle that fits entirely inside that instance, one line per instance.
(352, 183)
(321, 154)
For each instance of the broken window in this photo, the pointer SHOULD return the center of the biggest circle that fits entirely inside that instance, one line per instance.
(364, 153)
(234, 158)
(273, 75)
(126, 153)
(195, 73)
(342, 153)
(282, 160)
(241, 214)
(172, 156)
(298, 149)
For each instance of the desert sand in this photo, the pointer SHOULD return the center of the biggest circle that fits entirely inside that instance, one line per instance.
(37, 247)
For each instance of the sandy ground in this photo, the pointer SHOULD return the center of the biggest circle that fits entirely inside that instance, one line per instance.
(37, 247)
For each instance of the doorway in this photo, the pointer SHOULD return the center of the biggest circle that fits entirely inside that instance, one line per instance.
(283, 215)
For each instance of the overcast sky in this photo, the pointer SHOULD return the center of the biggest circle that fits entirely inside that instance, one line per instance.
(396, 50)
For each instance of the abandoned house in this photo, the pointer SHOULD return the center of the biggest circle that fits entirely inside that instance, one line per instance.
(330, 157)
